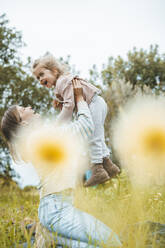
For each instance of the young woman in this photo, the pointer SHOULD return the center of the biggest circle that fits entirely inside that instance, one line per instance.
(57, 214)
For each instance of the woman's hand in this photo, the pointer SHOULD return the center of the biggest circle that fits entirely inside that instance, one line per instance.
(78, 90)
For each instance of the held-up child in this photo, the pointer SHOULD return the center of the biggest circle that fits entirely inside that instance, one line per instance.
(52, 73)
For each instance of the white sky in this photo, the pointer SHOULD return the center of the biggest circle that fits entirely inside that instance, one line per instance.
(88, 30)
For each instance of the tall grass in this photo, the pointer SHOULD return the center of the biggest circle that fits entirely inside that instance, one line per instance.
(121, 206)
(17, 209)
(117, 203)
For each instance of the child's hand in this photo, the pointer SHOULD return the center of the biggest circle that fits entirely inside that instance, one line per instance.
(78, 90)
(57, 104)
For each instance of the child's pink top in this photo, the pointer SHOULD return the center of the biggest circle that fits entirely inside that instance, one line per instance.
(64, 88)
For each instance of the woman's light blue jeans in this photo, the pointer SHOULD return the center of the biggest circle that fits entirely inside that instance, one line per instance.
(73, 227)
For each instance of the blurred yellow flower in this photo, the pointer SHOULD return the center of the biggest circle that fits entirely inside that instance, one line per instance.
(49, 150)
(58, 155)
(48, 146)
(139, 139)
(153, 141)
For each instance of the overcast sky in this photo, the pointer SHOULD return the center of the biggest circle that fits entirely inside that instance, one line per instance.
(88, 30)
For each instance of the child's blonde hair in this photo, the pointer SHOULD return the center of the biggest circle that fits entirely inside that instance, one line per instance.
(48, 61)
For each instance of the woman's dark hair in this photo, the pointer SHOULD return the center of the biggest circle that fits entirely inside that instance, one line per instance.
(10, 123)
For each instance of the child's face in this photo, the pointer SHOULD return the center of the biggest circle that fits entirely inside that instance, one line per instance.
(46, 77)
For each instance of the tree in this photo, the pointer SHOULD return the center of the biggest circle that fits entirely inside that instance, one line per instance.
(141, 73)
(140, 68)
(17, 86)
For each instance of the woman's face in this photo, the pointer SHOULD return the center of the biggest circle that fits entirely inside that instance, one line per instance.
(46, 77)
(26, 113)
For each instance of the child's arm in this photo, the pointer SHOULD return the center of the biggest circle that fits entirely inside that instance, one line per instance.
(68, 105)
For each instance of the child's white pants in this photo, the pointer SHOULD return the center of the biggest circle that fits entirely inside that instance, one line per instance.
(98, 148)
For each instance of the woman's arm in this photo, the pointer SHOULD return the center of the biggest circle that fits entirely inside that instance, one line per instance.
(84, 125)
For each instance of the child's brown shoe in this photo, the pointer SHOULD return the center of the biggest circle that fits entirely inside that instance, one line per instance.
(99, 175)
(112, 169)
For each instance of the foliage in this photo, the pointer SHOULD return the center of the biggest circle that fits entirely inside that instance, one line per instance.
(17, 209)
(116, 96)
(140, 68)
(117, 203)
(17, 86)
(143, 72)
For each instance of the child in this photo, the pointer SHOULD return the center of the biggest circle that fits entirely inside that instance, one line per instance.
(51, 73)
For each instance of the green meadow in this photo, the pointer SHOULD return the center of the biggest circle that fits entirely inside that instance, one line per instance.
(123, 207)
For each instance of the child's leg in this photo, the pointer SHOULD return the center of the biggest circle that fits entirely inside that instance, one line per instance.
(78, 228)
(98, 110)
(108, 165)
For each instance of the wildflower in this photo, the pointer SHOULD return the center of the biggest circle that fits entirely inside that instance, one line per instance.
(48, 147)
(139, 139)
